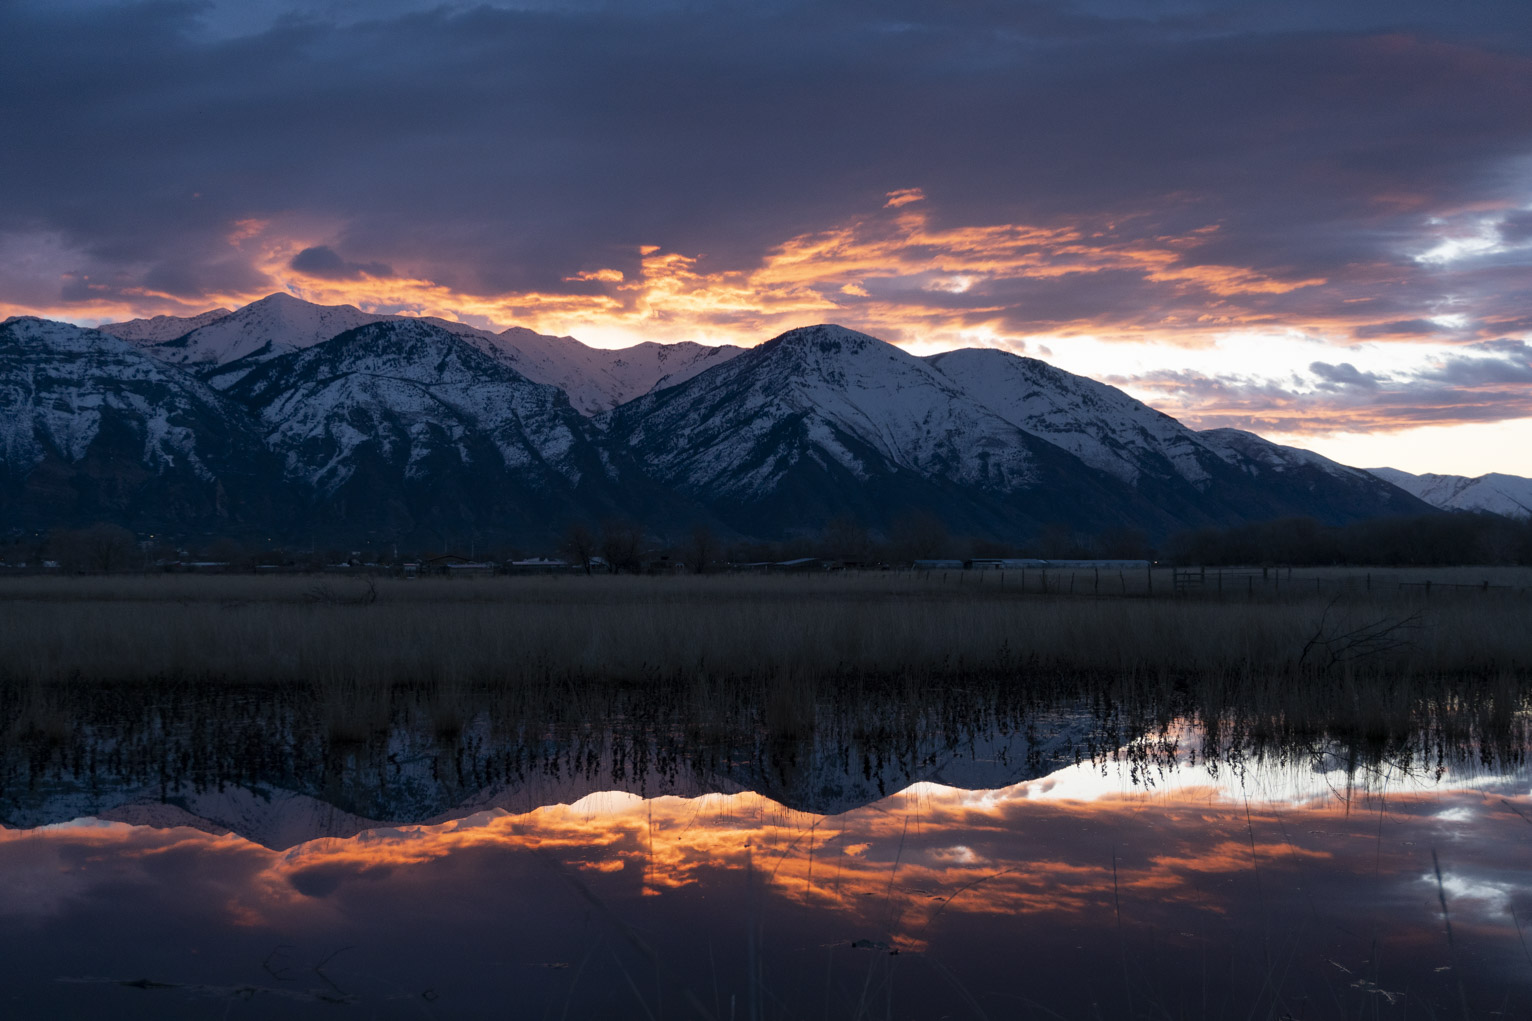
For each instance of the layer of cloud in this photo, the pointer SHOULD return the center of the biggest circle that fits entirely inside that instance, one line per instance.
(1488, 382)
(1016, 174)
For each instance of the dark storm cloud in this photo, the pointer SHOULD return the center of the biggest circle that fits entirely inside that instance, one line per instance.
(1337, 377)
(514, 147)
(1397, 328)
(325, 263)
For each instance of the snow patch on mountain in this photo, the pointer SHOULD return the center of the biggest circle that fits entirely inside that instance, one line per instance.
(1507, 495)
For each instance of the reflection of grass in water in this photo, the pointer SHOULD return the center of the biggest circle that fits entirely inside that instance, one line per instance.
(779, 733)
(641, 630)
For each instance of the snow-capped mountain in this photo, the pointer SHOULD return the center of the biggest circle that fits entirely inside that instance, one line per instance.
(824, 419)
(1506, 495)
(161, 328)
(274, 326)
(91, 429)
(1099, 424)
(403, 424)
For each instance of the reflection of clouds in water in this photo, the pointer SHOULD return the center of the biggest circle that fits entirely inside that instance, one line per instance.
(1486, 900)
(927, 851)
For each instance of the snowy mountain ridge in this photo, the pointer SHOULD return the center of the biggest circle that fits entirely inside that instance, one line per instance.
(162, 328)
(222, 346)
(1507, 495)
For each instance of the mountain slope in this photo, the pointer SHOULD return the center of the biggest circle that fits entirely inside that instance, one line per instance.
(1099, 424)
(1301, 482)
(94, 430)
(823, 421)
(1199, 478)
(400, 428)
(1506, 495)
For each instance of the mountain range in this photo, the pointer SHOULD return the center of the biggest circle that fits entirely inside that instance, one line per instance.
(290, 420)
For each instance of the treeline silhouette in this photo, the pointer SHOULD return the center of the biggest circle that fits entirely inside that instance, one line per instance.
(624, 546)
(1426, 540)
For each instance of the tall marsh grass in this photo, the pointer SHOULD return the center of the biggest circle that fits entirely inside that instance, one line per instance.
(509, 631)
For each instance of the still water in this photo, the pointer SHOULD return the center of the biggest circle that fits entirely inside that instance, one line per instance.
(1013, 870)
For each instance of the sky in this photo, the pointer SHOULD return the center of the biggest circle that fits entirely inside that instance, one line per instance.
(1308, 219)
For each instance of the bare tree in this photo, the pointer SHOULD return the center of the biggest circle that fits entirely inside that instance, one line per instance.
(622, 544)
(580, 544)
(703, 549)
(107, 548)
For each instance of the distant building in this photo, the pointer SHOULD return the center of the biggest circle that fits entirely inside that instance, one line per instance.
(538, 565)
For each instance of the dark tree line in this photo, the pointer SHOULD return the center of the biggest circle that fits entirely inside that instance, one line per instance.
(1427, 540)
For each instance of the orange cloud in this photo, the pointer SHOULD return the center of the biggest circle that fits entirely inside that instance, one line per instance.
(903, 197)
(896, 273)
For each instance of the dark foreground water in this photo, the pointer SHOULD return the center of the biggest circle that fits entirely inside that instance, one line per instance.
(233, 861)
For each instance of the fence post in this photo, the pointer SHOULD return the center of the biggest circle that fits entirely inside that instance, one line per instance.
(1149, 574)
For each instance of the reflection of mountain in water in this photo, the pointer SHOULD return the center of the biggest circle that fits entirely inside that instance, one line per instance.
(284, 766)
(269, 767)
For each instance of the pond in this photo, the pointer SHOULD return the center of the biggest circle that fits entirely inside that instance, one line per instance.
(173, 854)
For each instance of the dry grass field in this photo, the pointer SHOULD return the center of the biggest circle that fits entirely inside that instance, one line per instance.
(508, 631)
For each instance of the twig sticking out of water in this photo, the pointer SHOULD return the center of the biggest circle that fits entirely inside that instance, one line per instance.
(1332, 646)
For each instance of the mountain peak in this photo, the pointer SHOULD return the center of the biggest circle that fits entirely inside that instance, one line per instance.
(827, 338)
